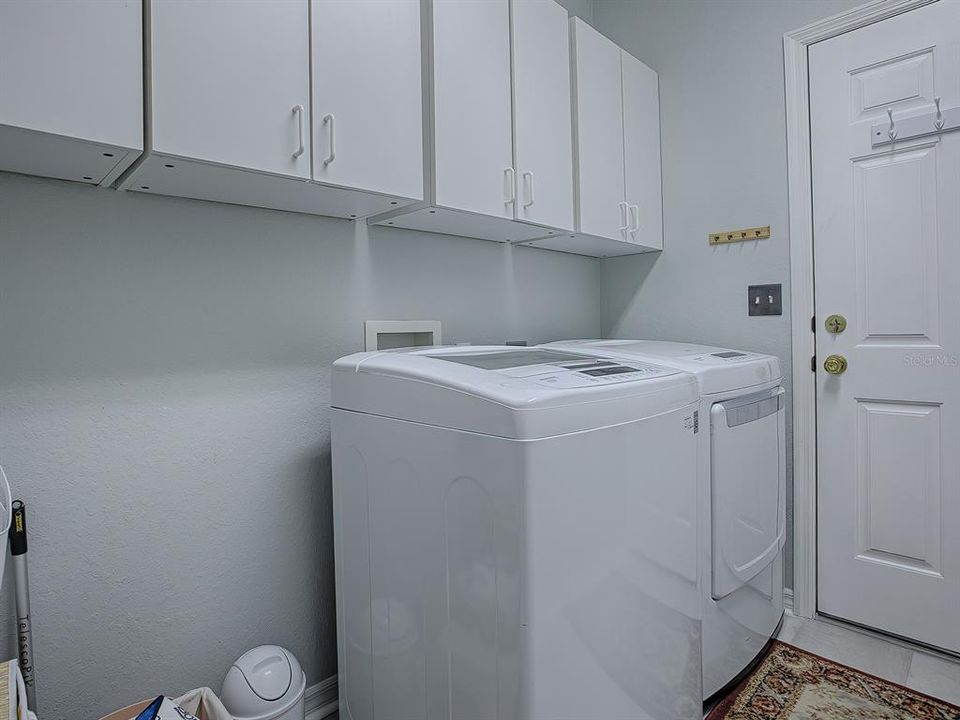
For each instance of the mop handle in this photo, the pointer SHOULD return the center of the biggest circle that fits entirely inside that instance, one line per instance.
(18, 551)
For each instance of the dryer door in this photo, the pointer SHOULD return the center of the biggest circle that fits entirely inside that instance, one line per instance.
(748, 487)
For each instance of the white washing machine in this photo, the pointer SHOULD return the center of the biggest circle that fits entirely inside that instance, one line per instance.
(743, 494)
(515, 536)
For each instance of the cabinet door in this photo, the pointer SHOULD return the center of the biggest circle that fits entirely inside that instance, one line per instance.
(599, 134)
(366, 95)
(641, 143)
(73, 69)
(226, 78)
(471, 105)
(542, 117)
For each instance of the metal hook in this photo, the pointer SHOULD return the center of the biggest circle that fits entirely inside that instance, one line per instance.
(892, 132)
(938, 123)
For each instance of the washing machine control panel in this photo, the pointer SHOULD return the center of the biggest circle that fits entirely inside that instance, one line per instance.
(591, 373)
(552, 368)
(722, 357)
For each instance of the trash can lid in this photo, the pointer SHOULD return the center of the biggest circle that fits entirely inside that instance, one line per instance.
(263, 684)
(267, 671)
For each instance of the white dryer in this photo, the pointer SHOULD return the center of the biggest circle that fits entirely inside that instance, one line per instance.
(743, 494)
(515, 533)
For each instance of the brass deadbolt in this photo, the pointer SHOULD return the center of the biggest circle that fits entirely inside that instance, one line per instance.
(835, 364)
(836, 324)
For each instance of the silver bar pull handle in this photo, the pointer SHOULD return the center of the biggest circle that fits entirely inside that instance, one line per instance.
(528, 176)
(298, 111)
(330, 121)
(509, 186)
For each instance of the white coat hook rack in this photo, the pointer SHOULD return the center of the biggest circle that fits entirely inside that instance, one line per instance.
(918, 126)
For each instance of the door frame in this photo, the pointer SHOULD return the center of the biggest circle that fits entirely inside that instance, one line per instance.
(800, 213)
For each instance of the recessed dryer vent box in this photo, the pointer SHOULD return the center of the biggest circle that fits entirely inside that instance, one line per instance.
(390, 334)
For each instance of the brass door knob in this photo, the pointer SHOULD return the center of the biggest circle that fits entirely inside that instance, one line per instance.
(835, 364)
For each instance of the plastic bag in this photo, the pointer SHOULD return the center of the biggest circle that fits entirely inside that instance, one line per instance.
(204, 704)
(201, 703)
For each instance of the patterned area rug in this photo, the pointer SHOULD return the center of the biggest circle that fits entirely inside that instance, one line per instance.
(792, 684)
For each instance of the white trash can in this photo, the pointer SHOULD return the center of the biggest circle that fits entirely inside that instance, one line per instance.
(265, 683)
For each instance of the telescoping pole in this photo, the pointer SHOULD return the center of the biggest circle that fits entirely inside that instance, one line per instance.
(18, 552)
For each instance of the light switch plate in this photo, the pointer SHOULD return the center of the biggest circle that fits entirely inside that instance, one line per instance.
(765, 299)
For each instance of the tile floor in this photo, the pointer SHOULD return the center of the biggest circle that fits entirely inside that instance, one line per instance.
(922, 671)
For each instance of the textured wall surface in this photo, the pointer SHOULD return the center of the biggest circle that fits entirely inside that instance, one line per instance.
(723, 135)
(164, 413)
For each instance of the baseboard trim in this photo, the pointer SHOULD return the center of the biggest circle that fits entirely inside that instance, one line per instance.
(321, 700)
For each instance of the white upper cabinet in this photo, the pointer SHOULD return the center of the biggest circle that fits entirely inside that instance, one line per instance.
(473, 137)
(233, 119)
(497, 137)
(226, 77)
(495, 119)
(641, 139)
(71, 98)
(599, 137)
(367, 101)
(542, 117)
(617, 187)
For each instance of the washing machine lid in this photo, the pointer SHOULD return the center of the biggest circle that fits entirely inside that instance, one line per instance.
(514, 392)
(718, 370)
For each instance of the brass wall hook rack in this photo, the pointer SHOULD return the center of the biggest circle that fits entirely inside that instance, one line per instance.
(742, 235)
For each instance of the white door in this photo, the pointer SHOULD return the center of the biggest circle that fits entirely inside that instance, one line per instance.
(367, 119)
(541, 106)
(641, 148)
(887, 246)
(599, 134)
(472, 114)
(227, 77)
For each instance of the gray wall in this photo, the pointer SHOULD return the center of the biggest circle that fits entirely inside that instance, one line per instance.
(164, 393)
(724, 167)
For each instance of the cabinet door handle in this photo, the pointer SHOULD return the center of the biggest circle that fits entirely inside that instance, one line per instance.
(635, 214)
(298, 111)
(330, 121)
(528, 176)
(624, 207)
(509, 185)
